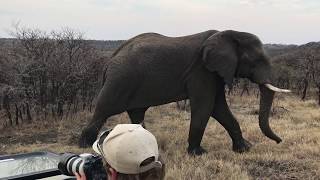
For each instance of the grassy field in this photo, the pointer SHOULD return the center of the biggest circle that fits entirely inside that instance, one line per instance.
(295, 121)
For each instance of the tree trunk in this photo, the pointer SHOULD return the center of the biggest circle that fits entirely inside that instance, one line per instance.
(305, 88)
(17, 114)
(319, 95)
(9, 116)
(28, 113)
(60, 108)
(6, 106)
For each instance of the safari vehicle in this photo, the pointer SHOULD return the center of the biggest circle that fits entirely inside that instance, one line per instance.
(34, 165)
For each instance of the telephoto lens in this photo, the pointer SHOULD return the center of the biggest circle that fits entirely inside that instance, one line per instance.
(88, 164)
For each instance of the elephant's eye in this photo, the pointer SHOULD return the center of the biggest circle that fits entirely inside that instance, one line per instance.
(245, 56)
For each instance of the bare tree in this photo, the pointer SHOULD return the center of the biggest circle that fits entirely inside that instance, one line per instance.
(54, 72)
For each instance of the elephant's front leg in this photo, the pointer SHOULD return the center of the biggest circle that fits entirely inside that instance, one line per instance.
(223, 115)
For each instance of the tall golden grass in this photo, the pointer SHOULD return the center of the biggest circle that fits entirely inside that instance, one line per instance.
(297, 157)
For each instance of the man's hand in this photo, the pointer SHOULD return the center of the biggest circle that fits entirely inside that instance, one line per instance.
(81, 177)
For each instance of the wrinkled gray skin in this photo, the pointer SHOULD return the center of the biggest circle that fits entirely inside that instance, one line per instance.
(151, 69)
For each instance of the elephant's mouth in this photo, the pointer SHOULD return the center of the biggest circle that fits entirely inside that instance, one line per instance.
(266, 99)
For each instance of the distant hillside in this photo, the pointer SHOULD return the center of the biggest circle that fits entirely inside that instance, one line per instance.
(273, 50)
(278, 49)
(293, 53)
(7, 42)
(105, 45)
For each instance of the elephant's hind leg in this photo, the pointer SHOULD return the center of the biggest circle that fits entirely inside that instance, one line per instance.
(109, 103)
(137, 116)
(90, 133)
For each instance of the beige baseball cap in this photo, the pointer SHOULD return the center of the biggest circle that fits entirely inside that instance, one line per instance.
(126, 147)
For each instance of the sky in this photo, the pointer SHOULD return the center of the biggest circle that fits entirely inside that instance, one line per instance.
(273, 21)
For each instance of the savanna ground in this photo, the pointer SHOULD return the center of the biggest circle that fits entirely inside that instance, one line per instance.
(296, 122)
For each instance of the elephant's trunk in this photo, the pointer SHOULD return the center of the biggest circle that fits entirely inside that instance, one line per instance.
(266, 98)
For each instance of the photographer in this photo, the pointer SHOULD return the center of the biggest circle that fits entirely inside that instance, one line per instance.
(129, 152)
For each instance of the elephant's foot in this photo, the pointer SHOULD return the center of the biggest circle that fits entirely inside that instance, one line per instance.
(241, 146)
(87, 138)
(197, 151)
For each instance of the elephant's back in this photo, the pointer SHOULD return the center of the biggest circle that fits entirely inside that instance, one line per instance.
(150, 54)
(158, 42)
(139, 39)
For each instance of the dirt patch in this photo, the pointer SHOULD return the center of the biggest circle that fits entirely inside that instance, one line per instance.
(24, 139)
(281, 169)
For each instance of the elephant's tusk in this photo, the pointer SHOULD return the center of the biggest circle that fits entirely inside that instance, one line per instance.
(275, 89)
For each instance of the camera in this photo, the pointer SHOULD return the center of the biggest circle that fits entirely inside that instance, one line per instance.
(88, 164)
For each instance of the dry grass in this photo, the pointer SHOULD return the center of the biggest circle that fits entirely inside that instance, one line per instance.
(297, 122)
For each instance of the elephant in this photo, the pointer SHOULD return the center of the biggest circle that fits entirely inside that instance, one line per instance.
(152, 69)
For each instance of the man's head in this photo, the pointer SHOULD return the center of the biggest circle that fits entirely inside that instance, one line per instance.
(129, 149)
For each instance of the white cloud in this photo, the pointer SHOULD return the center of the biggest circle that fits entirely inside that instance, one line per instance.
(285, 5)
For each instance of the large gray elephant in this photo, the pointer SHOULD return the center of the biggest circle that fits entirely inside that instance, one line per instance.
(151, 69)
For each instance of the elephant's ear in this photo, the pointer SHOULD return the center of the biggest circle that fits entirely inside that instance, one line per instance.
(219, 54)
